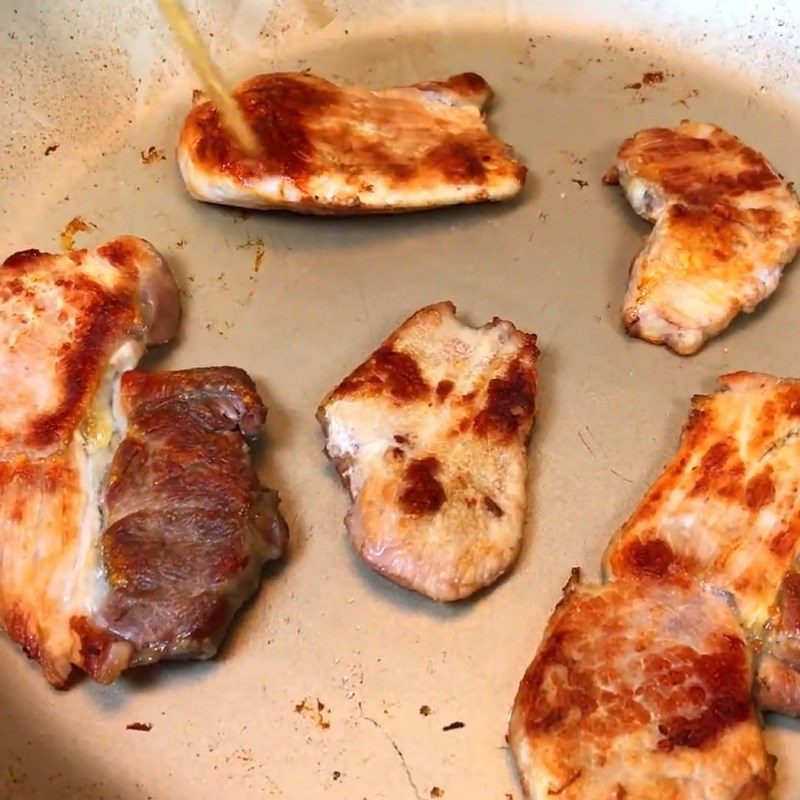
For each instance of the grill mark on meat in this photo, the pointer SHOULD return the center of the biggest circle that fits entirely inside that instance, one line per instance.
(276, 108)
(492, 507)
(510, 404)
(422, 493)
(443, 389)
(396, 372)
(457, 161)
(652, 558)
(723, 678)
(760, 490)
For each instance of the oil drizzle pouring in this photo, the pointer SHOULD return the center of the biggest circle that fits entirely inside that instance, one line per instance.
(230, 112)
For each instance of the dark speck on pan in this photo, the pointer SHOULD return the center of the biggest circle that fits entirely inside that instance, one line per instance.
(146, 727)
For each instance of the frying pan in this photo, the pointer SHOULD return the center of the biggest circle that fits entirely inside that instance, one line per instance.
(333, 682)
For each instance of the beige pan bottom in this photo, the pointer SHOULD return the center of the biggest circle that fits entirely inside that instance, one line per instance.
(324, 628)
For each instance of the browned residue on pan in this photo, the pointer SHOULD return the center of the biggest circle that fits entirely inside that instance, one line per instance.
(75, 225)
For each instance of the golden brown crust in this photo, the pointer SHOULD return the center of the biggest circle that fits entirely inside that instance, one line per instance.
(41, 496)
(726, 513)
(328, 149)
(100, 317)
(709, 171)
(639, 691)
(725, 510)
(68, 324)
(429, 435)
(726, 224)
(189, 526)
(71, 312)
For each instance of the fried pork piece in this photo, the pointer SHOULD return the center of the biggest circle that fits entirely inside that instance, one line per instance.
(725, 226)
(640, 691)
(726, 513)
(726, 510)
(132, 524)
(778, 683)
(430, 437)
(327, 149)
(69, 326)
(189, 526)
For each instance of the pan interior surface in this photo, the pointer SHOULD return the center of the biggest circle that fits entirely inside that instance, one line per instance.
(333, 682)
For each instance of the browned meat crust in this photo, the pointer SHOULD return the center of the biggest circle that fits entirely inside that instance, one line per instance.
(189, 524)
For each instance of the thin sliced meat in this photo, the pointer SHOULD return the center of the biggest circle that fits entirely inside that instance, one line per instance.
(430, 437)
(726, 513)
(327, 149)
(640, 691)
(726, 223)
(189, 526)
(70, 324)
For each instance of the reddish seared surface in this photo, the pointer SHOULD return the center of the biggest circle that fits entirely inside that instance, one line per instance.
(720, 472)
(760, 489)
(576, 685)
(95, 645)
(700, 172)
(24, 258)
(720, 682)
(458, 160)
(387, 371)
(280, 110)
(421, 492)
(651, 558)
(492, 507)
(443, 389)
(189, 523)
(100, 317)
(787, 618)
(734, 470)
(307, 127)
(510, 402)
(19, 628)
(628, 662)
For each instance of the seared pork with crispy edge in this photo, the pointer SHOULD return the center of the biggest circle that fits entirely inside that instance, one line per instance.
(327, 149)
(430, 436)
(188, 525)
(726, 223)
(70, 325)
(726, 513)
(640, 691)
